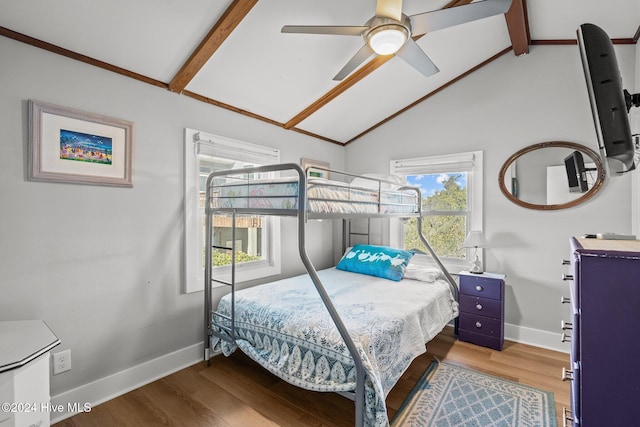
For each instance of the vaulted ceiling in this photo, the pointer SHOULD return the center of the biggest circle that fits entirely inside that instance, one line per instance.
(232, 53)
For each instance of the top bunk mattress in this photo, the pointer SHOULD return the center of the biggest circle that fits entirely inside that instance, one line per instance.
(323, 196)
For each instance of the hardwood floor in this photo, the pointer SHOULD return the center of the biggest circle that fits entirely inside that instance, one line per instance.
(234, 391)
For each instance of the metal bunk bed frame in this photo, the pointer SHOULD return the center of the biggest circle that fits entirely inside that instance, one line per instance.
(301, 212)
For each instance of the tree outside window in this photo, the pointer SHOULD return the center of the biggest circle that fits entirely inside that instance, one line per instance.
(445, 212)
(452, 187)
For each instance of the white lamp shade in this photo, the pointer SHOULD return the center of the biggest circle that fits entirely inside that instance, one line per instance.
(475, 239)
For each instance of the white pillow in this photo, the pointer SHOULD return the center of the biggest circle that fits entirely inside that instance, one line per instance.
(422, 273)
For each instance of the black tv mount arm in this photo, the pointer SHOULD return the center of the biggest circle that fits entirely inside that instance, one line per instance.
(632, 100)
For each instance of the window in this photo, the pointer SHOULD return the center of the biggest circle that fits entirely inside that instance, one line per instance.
(451, 187)
(257, 237)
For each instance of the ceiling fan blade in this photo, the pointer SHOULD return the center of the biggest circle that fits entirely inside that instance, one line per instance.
(389, 9)
(340, 30)
(357, 59)
(423, 23)
(413, 55)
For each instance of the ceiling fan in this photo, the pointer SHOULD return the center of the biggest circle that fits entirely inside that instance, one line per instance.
(389, 32)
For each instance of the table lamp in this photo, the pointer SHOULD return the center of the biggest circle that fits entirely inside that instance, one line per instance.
(475, 239)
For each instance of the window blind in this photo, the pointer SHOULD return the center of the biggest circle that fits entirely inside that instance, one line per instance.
(459, 162)
(227, 148)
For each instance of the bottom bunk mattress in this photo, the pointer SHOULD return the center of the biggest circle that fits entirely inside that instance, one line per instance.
(285, 327)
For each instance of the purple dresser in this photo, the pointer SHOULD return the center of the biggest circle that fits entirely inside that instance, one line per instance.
(481, 319)
(605, 344)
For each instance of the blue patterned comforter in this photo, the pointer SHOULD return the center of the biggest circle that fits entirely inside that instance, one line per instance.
(285, 327)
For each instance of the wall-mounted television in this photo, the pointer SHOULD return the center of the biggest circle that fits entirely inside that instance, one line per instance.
(610, 103)
(576, 172)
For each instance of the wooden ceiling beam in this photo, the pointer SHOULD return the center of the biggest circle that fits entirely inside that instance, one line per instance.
(518, 27)
(455, 3)
(339, 89)
(14, 35)
(234, 14)
(251, 115)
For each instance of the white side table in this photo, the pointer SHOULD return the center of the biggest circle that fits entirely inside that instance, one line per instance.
(24, 372)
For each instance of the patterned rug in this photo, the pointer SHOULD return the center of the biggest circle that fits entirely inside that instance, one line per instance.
(449, 395)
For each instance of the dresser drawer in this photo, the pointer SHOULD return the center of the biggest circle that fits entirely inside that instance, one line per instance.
(483, 306)
(481, 325)
(480, 286)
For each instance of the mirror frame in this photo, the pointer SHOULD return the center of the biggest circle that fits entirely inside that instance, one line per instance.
(562, 144)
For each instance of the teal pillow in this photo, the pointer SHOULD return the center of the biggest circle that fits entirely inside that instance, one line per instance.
(379, 261)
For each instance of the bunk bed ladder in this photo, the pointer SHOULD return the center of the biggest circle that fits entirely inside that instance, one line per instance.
(229, 329)
(225, 324)
(348, 233)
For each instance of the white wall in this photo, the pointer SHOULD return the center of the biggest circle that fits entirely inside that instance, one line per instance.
(104, 266)
(507, 105)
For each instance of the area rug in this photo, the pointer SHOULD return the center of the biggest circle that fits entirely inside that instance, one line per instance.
(448, 395)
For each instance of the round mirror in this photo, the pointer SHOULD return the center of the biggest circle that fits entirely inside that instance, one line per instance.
(551, 175)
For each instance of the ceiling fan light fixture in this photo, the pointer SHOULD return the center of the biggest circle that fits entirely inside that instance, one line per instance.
(387, 39)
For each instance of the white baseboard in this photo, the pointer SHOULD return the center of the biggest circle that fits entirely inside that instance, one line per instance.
(107, 388)
(536, 337)
(99, 391)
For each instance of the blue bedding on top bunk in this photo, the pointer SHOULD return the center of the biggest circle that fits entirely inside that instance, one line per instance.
(285, 327)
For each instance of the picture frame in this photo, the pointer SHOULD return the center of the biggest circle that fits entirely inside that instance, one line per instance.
(76, 147)
(309, 166)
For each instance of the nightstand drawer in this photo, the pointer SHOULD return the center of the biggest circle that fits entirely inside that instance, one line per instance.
(482, 306)
(480, 339)
(481, 325)
(480, 286)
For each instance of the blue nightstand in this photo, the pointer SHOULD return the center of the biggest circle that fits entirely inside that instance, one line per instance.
(481, 299)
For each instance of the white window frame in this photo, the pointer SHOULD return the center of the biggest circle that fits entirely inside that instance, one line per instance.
(196, 142)
(470, 162)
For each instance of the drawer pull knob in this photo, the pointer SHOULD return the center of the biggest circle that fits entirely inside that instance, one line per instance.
(566, 338)
(566, 326)
(479, 306)
(478, 325)
(565, 300)
(479, 288)
(567, 375)
(566, 417)
(566, 262)
(567, 277)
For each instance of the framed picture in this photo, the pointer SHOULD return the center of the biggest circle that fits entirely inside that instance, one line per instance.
(72, 146)
(311, 166)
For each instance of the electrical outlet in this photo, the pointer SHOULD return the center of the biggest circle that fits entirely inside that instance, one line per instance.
(62, 362)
